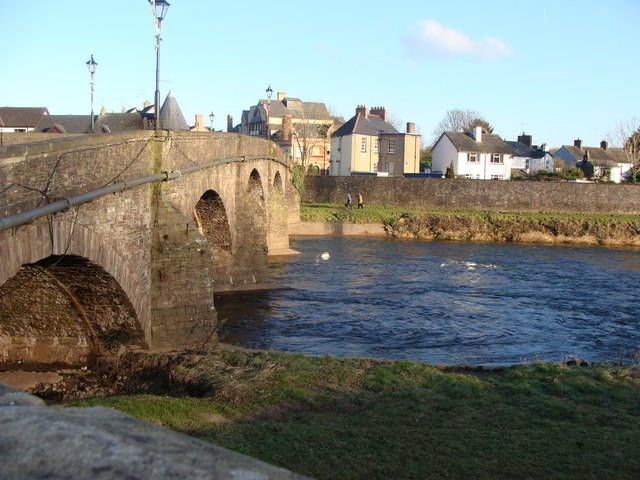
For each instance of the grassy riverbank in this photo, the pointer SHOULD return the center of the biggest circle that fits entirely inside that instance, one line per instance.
(335, 418)
(533, 227)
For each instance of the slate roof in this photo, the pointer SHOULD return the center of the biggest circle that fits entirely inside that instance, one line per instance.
(171, 117)
(21, 116)
(519, 149)
(290, 106)
(65, 123)
(464, 142)
(597, 154)
(119, 122)
(365, 125)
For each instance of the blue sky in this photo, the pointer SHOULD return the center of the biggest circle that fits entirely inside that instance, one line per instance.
(559, 70)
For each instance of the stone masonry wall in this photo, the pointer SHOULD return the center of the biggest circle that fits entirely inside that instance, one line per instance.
(462, 194)
(146, 237)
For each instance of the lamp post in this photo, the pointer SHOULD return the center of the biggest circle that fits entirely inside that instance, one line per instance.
(91, 65)
(269, 93)
(159, 10)
(212, 117)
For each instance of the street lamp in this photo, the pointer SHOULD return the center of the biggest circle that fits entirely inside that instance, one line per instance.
(91, 65)
(269, 93)
(159, 10)
(212, 117)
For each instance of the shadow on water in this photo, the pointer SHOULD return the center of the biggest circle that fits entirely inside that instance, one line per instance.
(443, 302)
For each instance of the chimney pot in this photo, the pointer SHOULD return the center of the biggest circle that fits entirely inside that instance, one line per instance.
(380, 112)
(362, 109)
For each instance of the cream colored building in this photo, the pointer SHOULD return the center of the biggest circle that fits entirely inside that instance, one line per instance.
(368, 144)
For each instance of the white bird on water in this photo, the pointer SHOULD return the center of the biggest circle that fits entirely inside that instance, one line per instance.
(325, 256)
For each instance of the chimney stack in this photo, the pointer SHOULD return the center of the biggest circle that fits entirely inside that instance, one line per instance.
(544, 147)
(577, 143)
(411, 127)
(604, 144)
(199, 127)
(477, 134)
(362, 109)
(380, 112)
(281, 96)
(525, 139)
(229, 123)
(286, 128)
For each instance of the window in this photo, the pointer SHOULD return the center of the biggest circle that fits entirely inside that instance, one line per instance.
(363, 145)
(375, 167)
(472, 176)
(496, 158)
(392, 146)
(497, 177)
(376, 145)
(472, 157)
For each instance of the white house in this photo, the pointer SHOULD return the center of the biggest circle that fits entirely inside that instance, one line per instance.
(528, 158)
(20, 119)
(476, 155)
(608, 162)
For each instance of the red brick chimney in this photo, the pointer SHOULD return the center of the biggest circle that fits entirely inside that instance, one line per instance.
(229, 123)
(362, 109)
(380, 112)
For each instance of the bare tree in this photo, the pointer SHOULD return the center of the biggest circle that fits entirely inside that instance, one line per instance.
(311, 127)
(627, 138)
(456, 120)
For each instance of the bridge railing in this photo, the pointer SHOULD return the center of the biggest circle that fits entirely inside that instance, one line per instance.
(62, 204)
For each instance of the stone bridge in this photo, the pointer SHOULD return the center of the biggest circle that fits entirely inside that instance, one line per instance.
(184, 215)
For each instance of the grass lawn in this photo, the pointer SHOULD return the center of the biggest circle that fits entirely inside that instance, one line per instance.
(335, 418)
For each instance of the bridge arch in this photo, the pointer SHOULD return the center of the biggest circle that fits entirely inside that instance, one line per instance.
(255, 189)
(62, 300)
(277, 182)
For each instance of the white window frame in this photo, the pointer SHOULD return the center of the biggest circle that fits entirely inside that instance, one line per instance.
(391, 147)
(496, 158)
(376, 145)
(472, 176)
(472, 158)
(497, 177)
(363, 145)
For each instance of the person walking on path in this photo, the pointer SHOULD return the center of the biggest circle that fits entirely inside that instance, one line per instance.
(360, 200)
(349, 203)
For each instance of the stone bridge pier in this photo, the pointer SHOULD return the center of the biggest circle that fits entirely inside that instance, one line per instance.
(138, 267)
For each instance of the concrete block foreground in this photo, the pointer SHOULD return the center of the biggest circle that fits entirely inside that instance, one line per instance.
(98, 443)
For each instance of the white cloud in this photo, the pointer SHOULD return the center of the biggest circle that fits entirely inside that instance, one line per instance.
(431, 39)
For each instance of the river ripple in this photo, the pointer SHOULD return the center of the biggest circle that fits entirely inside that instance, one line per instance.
(445, 303)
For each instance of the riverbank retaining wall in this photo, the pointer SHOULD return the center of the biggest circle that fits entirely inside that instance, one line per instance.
(460, 194)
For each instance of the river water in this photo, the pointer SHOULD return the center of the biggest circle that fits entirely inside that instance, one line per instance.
(445, 303)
